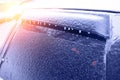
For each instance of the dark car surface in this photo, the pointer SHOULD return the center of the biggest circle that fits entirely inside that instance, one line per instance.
(62, 44)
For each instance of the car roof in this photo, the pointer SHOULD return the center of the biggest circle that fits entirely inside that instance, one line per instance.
(108, 5)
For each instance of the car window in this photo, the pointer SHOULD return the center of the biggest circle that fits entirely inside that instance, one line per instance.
(50, 47)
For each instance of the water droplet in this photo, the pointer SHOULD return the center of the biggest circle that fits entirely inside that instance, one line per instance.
(88, 32)
(55, 25)
(72, 29)
(68, 28)
(65, 28)
(87, 38)
(2, 59)
(79, 31)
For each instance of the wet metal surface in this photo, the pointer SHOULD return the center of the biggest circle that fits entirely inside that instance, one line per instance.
(58, 46)
(113, 62)
(88, 22)
(34, 56)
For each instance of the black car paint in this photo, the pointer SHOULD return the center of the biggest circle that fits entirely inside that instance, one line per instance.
(44, 53)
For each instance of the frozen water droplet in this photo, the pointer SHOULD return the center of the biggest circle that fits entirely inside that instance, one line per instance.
(65, 28)
(71, 28)
(68, 28)
(88, 32)
(79, 31)
(2, 59)
(55, 25)
(87, 38)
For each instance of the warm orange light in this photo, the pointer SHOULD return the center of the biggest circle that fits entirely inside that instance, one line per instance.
(13, 10)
